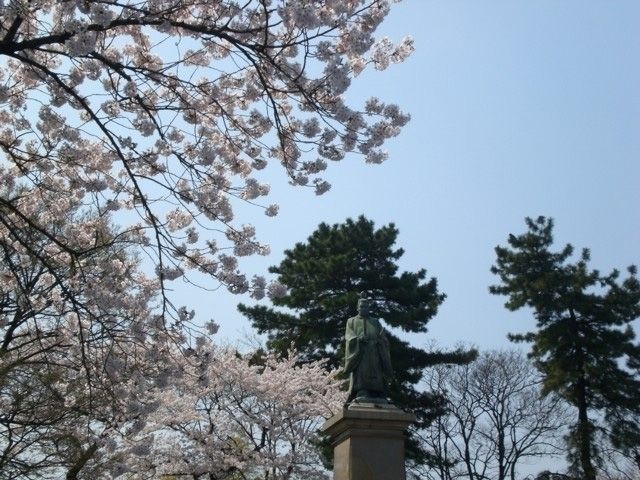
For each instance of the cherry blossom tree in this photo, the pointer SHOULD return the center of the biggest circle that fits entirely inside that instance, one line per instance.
(79, 345)
(130, 131)
(167, 110)
(95, 385)
(229, 418)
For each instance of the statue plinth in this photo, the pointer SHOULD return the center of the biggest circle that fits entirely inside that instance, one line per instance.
(368, 442)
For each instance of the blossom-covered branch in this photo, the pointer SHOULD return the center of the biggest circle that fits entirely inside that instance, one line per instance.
(171, 108)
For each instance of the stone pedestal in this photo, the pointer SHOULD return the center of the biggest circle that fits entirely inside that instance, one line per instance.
(368, 442)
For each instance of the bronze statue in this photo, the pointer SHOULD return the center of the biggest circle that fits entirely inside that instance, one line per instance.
(367, 359)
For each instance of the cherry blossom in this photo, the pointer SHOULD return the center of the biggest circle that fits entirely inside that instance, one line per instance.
(79, 343)
(231, 414)
(170, 110)
(94, 383)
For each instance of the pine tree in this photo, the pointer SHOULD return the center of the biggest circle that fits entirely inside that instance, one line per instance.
(584, 342)
(324, 276)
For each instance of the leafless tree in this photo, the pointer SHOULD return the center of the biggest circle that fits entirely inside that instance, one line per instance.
(495, 418)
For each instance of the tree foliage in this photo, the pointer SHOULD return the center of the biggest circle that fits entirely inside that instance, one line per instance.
(584, 343)
(324, 276)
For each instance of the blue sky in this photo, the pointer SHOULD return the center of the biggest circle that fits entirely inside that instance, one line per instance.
(519, 108)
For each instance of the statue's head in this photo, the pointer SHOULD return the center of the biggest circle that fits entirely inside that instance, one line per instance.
(364, 306)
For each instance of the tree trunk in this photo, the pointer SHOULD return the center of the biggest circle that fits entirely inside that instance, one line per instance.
(72, 473)
(502, 474)
(584, 426)
(584, 434)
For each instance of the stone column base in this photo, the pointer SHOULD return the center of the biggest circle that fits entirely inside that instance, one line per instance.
(368, 442)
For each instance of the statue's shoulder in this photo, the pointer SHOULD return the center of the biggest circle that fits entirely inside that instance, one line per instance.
(351, 321)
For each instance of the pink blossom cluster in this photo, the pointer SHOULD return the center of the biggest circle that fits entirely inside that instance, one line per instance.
(171, 108)
(228, 413)
(80, 343)
(108, 385)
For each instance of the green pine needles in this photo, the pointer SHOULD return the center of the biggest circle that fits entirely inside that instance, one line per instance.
(584, 344)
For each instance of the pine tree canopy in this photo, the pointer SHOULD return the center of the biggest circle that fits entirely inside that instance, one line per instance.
(584, 343)
(324, 276)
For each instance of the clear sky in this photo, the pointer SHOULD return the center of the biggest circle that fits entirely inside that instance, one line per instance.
(519, 108)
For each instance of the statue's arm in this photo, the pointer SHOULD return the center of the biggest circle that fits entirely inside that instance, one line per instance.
(353, 351)
(385, 355)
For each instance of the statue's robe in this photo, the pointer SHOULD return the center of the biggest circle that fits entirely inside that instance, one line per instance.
(367, 359)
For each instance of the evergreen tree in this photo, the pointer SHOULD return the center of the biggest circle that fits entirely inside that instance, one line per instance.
(584, 342)
(324, 276)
